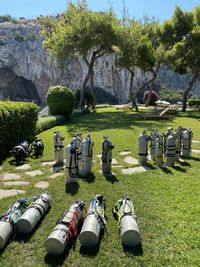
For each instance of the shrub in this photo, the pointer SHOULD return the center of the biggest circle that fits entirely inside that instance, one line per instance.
(194, 102)
(45, 123)
(18, 123)
(61, 100)
(88, 98)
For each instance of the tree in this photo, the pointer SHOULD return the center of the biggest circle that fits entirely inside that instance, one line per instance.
(79, 32)
(183, 40)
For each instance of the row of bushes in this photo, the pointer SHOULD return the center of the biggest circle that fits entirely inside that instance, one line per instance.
(17, 122)
(194, 102)
(45, 123)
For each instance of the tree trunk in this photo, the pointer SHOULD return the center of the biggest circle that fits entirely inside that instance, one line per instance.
(149, 97)
(186, 92)
(92, 89)
(133, 100)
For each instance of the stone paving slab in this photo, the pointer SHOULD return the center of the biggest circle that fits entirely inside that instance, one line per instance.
(196, 151)
(16, 183)
(131, 160)
(55, 175)
(42, 184)
(48, 163)
(135, 170)
(57, 169)
(98, 156)
(34, 173)
(124, 153)
(0, 168)
(114, 161)
(10, 176)
(23, 167)
(10, 192)
(117, 166)
(195, 141)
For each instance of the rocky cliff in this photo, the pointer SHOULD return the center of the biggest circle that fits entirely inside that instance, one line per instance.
(27, 71)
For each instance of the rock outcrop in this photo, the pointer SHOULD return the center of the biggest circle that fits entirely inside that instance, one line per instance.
(27, 71)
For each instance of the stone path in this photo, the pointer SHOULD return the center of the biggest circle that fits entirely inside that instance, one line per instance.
(196, 151)
(34, 173)
(117, 166)
(55, 175)
(131, 160)
(10, 183)
(10, 176)
(48, 163)
(98, 156)
(23, 167)
(10, 192)
(135, 170)
(114, 161)
(195, 141)
(42, 184)
(124, 153)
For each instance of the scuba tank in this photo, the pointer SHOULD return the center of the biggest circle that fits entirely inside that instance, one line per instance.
(106, 157)
(170, 150)
(178, 141)
(169, 131)
(9, 219)
(20, 151)
(153, 137)
(129, 230)
(78, 143)
(143, 148)
(34, 213)
(66, 229)
(86, 157)
(37, 147)
(71, 162)
(58, 146)
(94, 222)
(187, 141)
(159, 151)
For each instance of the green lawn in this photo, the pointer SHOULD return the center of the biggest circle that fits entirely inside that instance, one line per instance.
(167, 203)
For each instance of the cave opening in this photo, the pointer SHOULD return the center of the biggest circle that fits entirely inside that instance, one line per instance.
(16, 88)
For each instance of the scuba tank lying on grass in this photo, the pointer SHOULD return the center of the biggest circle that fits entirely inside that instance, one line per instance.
(9, 219)
(34, 213)
(20, 151)
(94, 222)
(86, 157)
(66, 229)
(37, 147)
(106, 157)
(129, 230)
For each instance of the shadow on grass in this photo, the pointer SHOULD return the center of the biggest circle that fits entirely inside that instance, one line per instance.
(18, 163)
(133, 251)
(72, 188)
(184, 163)
(111, 178)
(89, 178)
(166, 170)
(178, 168)
(24, 238)
(92, 251)
(195, 158)
(58, 260)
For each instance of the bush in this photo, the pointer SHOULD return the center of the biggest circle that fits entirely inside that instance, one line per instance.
(18, 123)
(194, 102)
(61, 100)
(88, 98)
(45, 123)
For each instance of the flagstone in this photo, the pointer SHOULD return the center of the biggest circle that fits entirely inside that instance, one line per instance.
(10, 192)
(131, 160)
(196, 151)
(56, 174)
(124, 153)
(34, 173)
(48, 163)
(15, 183)
(23, 167)
(135, 170)
(10, 176)
(42, 184)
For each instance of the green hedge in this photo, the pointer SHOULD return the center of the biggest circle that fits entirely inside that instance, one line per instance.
(45, 123)
(194, 102)
(17, 123)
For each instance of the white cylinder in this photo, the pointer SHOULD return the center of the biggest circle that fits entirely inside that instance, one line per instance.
(142, 149)
(129, 231)
(62, 234)
(71, 163)
(86, 157)
(106, 156)
(153, 144)
(159, 152)
(187, 140)
(170, 150)
(6, 230)
(90, 231)
(33, 214)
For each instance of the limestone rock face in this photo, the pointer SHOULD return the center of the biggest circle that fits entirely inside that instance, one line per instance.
(27, 71)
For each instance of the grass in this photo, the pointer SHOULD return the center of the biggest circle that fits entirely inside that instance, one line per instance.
(166, 202)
